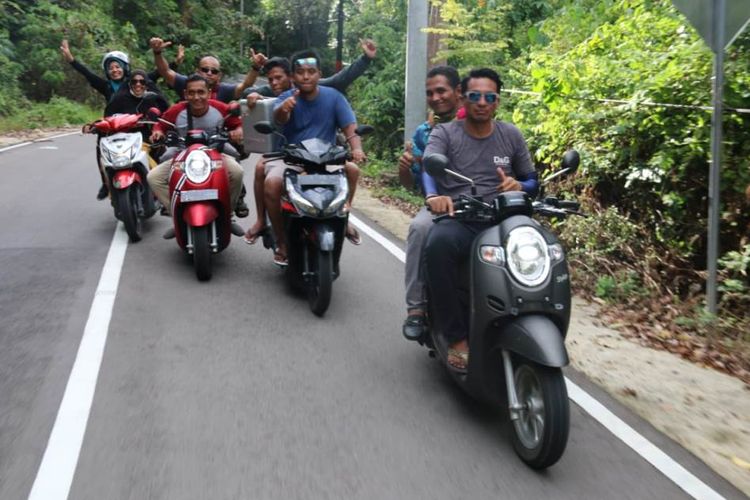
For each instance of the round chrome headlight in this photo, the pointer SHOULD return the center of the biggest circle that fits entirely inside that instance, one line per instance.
(527, 256)
(197, 167)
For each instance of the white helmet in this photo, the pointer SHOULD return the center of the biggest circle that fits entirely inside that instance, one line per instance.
(119, 56)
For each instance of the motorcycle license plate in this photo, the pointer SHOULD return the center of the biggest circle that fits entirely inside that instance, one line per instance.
(199, 195)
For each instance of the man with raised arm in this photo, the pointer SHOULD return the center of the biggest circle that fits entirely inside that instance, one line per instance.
(443, 93)
(308, 111)
(494, 154)
(279, 75)
(210, 68)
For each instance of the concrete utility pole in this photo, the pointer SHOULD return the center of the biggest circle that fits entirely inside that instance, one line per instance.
(416, 65)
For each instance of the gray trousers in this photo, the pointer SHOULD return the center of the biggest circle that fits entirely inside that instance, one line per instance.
(416, 296)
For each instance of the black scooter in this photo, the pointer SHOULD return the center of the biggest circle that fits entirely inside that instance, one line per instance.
(312, 208)
(517, 292)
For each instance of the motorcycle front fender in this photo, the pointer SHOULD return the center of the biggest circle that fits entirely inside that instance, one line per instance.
(199, 213)
(122, 179)
(326, 238)
(536, 338)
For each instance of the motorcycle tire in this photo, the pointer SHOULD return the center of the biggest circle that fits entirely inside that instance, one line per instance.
(319, 292)
(127, 206)
(541, 433)
(202, 252)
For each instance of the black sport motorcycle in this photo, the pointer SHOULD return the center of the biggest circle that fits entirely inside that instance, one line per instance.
(516, 289)
(312, 208)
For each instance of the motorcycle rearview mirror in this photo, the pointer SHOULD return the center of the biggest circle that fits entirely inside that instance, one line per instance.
(264, 128)
(437, 166)
(363, 130)
(234, 109)
(571, 160)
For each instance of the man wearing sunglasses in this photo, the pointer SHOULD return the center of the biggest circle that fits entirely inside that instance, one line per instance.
(209, 68)
(494, 154)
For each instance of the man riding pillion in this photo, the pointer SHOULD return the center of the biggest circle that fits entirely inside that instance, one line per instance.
(305, 112)
(279, 75)
(494, 154)
(207, 114)
(443, 93)
(210, 68)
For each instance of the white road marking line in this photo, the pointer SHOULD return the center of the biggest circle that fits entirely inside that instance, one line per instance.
(55, 474)
(14, 146)
(647, 450)
(21, 144)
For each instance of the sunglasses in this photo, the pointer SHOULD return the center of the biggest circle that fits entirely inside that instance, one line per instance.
(138, 81)
(475, 97)
(307, 60)
(213, 71)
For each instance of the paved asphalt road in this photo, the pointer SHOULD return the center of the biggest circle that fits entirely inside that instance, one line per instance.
(232, 389)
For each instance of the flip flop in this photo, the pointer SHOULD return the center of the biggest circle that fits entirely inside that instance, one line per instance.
(280, 260)
(250, 240)
(462, 366)
(353, 235)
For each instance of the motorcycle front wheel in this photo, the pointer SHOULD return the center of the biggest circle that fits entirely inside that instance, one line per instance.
(541, 433)
(127, 206)
(202, 252)
(319, 291)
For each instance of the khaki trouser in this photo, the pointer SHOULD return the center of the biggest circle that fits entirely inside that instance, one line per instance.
(158, 179)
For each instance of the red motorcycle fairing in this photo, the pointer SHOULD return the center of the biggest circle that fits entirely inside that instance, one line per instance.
(122, 179)
(199, 213)
(203, 212)
(118, 123)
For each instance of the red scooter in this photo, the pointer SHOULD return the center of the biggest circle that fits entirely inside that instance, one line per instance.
(200, 202)
(126, 163)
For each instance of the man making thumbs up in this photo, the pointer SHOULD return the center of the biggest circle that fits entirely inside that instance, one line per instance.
(494, 154)
(308, 111)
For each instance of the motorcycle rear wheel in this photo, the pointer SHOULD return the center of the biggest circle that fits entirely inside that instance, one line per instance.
(319, 292)
(541, 433)
(202, 252)
(127, 206)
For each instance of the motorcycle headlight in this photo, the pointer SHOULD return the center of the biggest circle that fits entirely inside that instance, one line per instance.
(528, 256)
(340, 198)
(105, 154)
(197, 167)
(301, 203)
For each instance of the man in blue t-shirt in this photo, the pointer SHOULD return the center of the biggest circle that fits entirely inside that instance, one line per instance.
(308, 111)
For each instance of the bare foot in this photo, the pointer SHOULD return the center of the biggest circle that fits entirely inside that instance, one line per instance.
(255, 231)
(458, 355)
